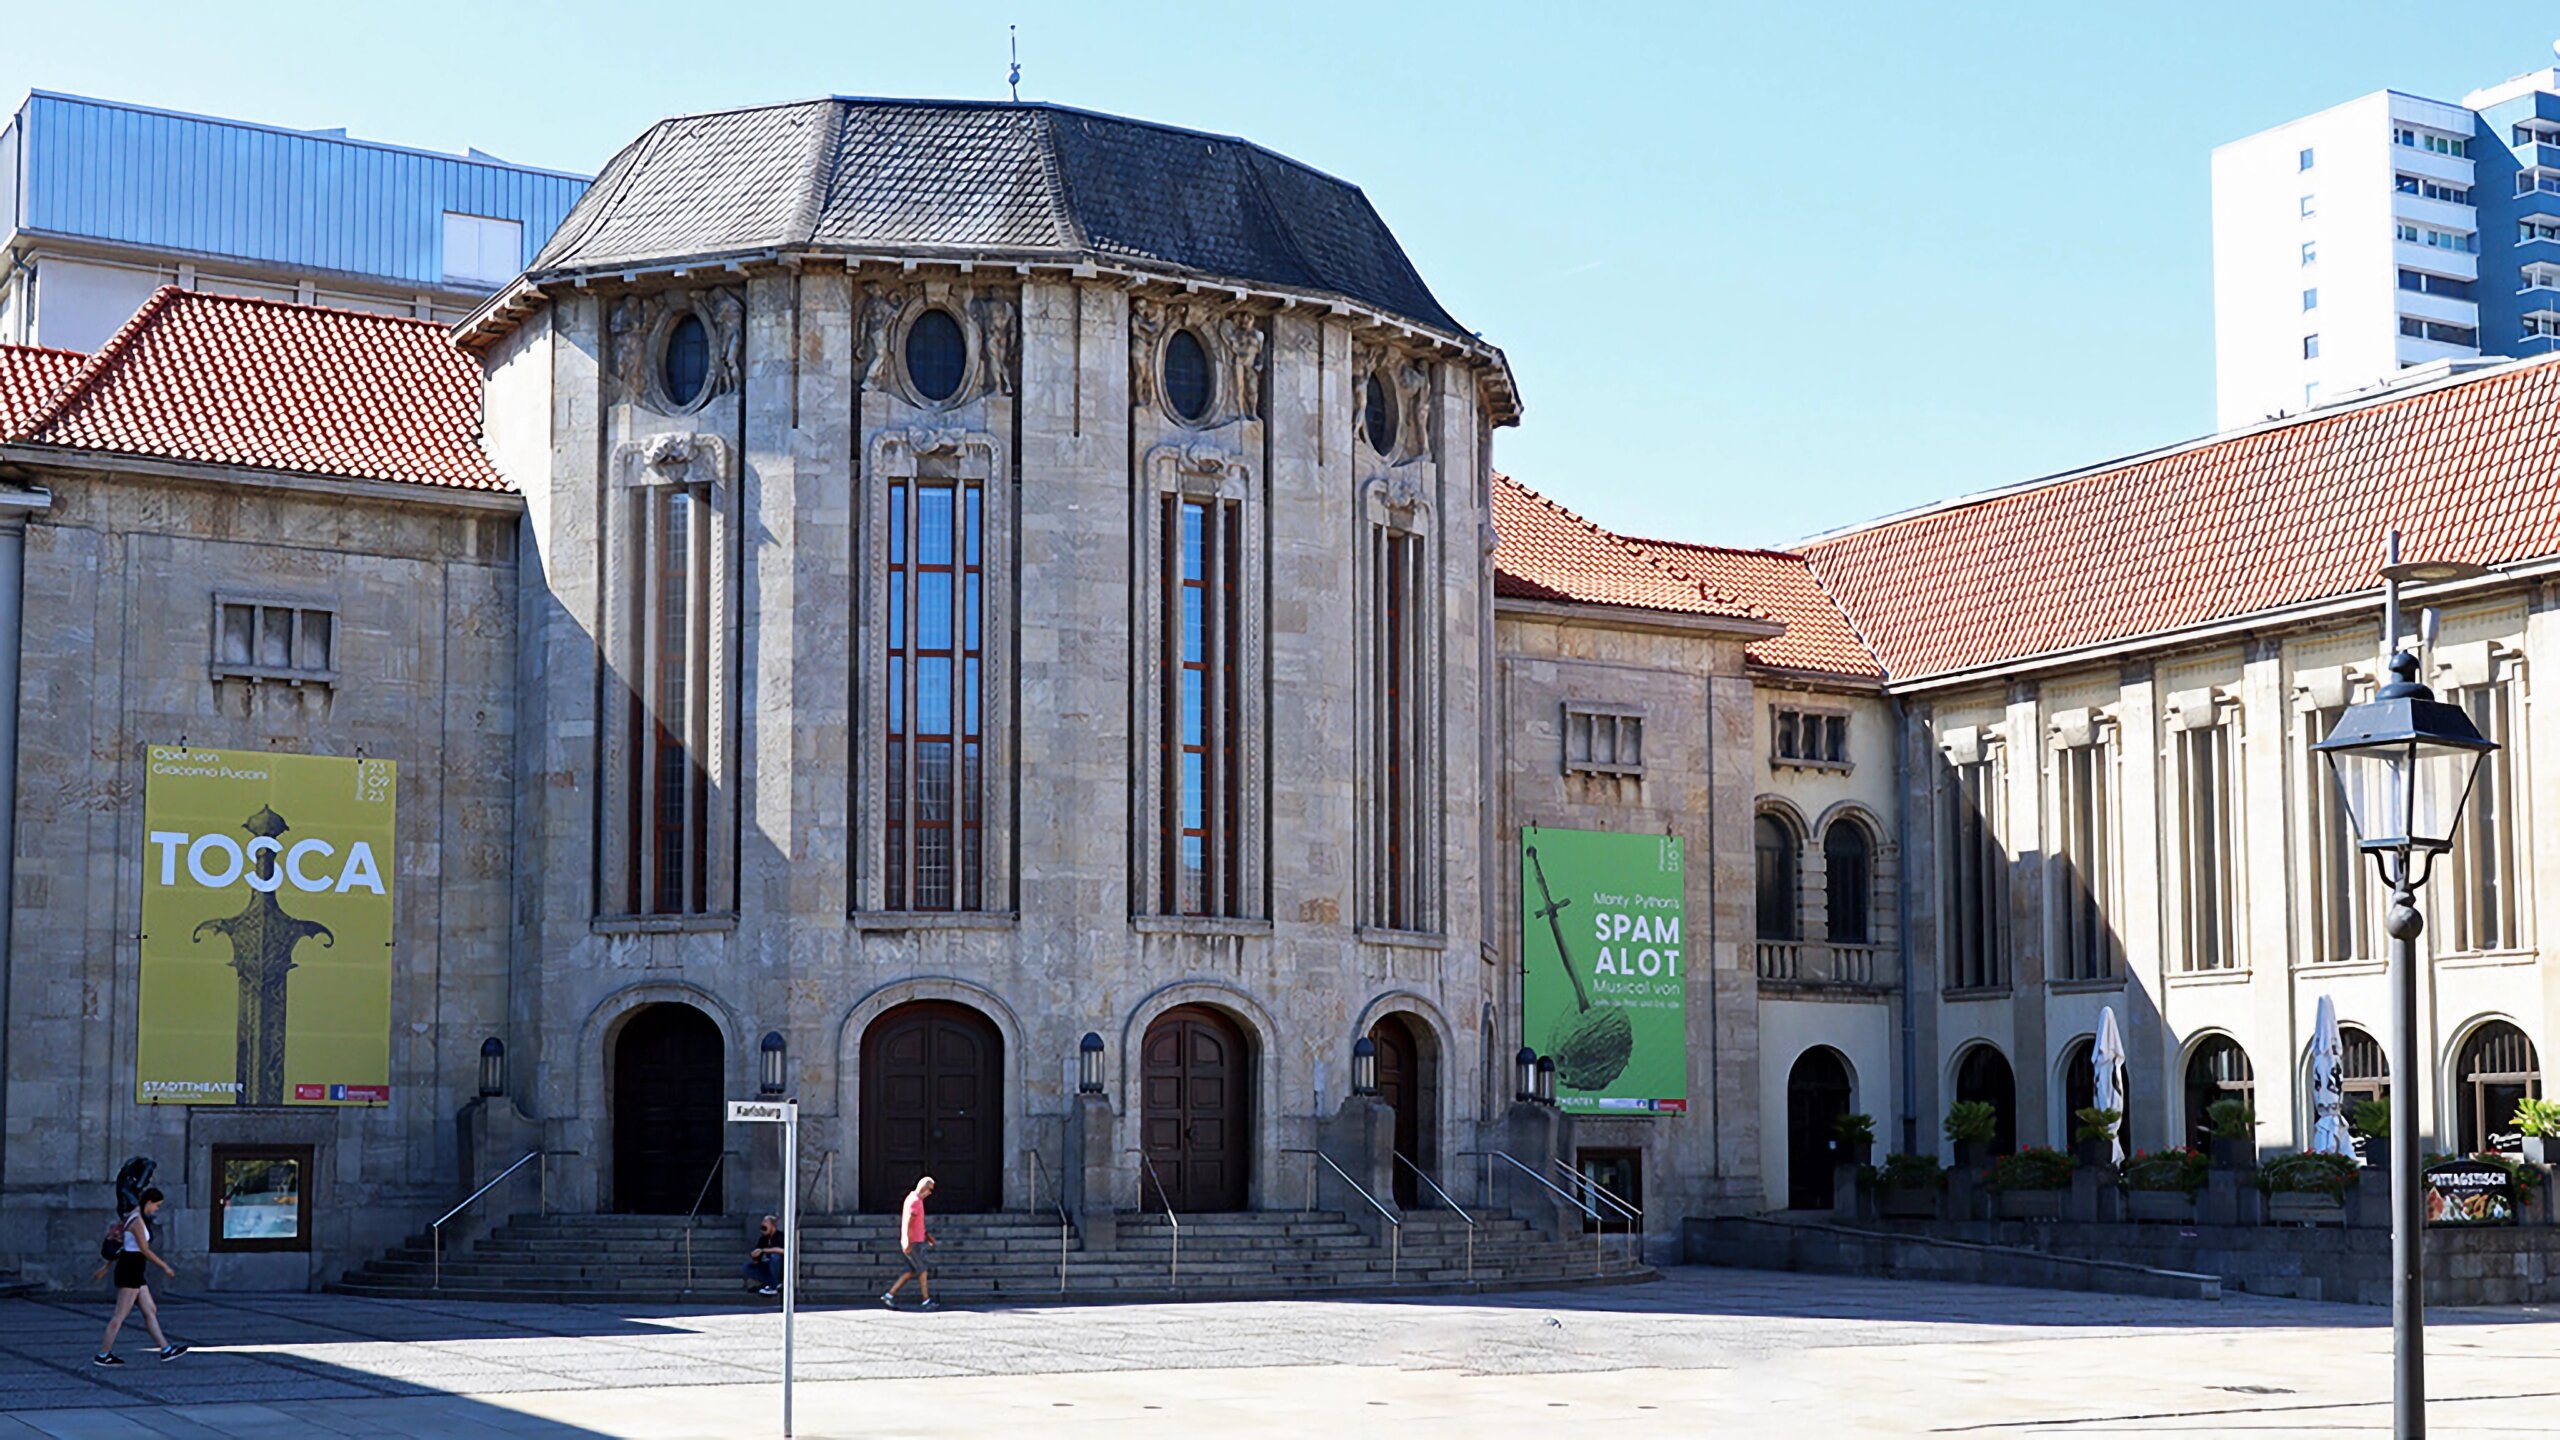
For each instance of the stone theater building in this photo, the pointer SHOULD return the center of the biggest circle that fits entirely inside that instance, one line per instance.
(899, 594)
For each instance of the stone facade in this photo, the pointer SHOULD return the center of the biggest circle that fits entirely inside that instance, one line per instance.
(122, 568)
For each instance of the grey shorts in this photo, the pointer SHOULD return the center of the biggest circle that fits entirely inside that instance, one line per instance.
(914, 1258)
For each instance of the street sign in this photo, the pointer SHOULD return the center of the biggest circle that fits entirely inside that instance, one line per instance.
(785, 1113)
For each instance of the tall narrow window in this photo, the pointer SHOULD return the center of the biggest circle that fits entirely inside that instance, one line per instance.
(1202, 637)
(1774, 863)
(2341, 889)
(670, 861)
(1404, 888)
(1974, 864)
(2204, 848)
(2084, 861)
(2483, 899)
(1848, 874)
(934, 805)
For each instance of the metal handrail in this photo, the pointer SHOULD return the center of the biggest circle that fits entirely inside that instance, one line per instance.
(435, 1232)
(1453, 1205)
(1175, 1278)
(826, 1172)
(693, 1219)
(1040, 1174)
(1629, 1214)
(1395, 1234)
(1599, 1237)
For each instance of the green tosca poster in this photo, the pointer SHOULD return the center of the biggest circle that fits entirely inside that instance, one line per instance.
(266, 929)
(1602, 991)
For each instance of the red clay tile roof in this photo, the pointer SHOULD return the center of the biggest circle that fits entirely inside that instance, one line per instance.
(1546, 552)
(1781, 585)
(2469, 471)
(28, 378)
(225, 380)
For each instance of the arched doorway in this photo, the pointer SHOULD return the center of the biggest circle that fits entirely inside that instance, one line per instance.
(1982, 1073)
(2218, 1069)
(667, 1111)
(1409, 1081)
(2498, 1068)
(2080, 1092)
(1817, 1095)
(1195, 1102)
(932, 1104)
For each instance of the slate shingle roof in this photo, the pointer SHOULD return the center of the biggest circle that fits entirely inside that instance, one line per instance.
(987, 180)
(2289, 515)
(1780, 584)
(1543, 551)
(226, 380)
(28, 378)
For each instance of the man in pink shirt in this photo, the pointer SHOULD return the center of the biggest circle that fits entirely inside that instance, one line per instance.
(911, 1234)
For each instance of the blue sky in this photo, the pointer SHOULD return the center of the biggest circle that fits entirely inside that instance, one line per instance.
(1762, 269)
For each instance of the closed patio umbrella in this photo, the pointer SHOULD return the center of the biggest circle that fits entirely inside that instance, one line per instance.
(2329, 1085)
(2107, 1060)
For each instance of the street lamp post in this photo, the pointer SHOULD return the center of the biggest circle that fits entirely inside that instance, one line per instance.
(2404, 762)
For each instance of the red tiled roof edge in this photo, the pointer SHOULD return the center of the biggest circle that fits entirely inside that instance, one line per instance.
(1711, 600)
(99, 360)
(45, 369)
(1825, 641)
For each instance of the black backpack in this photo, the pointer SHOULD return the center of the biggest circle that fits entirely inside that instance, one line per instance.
(111, 1244)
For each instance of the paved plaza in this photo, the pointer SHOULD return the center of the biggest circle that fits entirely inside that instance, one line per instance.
(1703, 1351)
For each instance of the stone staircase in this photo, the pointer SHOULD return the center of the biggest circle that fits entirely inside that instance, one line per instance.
(1008, 1258)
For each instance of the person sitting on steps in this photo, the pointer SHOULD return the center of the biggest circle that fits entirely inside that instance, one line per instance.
(764, 1263)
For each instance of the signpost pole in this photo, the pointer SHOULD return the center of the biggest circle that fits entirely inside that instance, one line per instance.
(790, 1244)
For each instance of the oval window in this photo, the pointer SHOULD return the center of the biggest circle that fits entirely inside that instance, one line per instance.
(1378, 416)
(1186, 376)
(937, 353)
(687, 363)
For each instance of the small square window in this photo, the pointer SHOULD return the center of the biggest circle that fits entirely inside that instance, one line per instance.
(256, 639)
(2310, 394)
(1602, 741)
(2305, 162)
(261, 1198)
(2310, 251)
(1809, 737)
(2306, 205)
(2311, 299)
(481, 249)
(2310, 347)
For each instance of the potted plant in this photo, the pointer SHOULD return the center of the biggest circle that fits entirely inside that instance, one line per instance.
(2092, 1142)
(2163, 1185)
(1907, 1187)
(2540, 1122)
(2370, 1121)
(2308, 1188)
(1853, 1138)
(2235, 1134)
(2031, 1183)
(1970, 1125)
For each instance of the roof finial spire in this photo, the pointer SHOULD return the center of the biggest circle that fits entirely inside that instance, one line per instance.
(1013, 80)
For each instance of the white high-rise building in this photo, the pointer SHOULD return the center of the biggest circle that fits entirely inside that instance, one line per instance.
(2388, 232)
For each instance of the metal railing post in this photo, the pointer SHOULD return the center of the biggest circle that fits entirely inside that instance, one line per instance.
(435, 1231)
(437, 1236)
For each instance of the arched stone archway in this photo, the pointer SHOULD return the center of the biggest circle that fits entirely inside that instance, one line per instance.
(667, 1073)
(1819, 1091)
(932, 1103)
(1409, 1082)
(1983, 1074)
(1195, 1110)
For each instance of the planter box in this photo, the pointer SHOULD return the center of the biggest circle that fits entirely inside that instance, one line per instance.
(1973, 1154)
(2031, 1204)
(2170, 1205)
(2293, 1207)
(1848, 1152)
(2234, 1154)
(2541, 1150)
(1906, 1203)
(2092, 1153)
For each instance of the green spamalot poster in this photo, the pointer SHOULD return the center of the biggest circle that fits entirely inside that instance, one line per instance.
(1603, 993)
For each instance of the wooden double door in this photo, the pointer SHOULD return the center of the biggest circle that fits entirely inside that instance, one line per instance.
(933, 1104)
(1405, 1084)
(1195, 1097)
(668, 1111)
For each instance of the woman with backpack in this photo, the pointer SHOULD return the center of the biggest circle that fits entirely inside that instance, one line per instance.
(130, 1242)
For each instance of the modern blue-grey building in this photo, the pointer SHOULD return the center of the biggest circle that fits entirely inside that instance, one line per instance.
(101, 203)
(2383, 234)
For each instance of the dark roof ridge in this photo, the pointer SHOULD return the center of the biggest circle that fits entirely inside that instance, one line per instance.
(1773, 552)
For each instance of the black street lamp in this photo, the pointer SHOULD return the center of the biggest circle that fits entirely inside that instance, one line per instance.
(1364, 1066)
(493, 1068)
(1089, 1064)
(2405, 762)
(769, 1078)
(1527, 1061)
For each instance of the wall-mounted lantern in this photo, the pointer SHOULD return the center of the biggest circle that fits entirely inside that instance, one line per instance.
(1364, 1067)
(1546, 1080)
(493, 1068)
(1527, 1061)
(1089, 1064)
(770, 1059)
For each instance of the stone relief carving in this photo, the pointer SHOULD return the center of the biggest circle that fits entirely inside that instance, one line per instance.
(1408, 386)
(637, 326)
(677, 458)
(989, 316)
(1234, 338)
